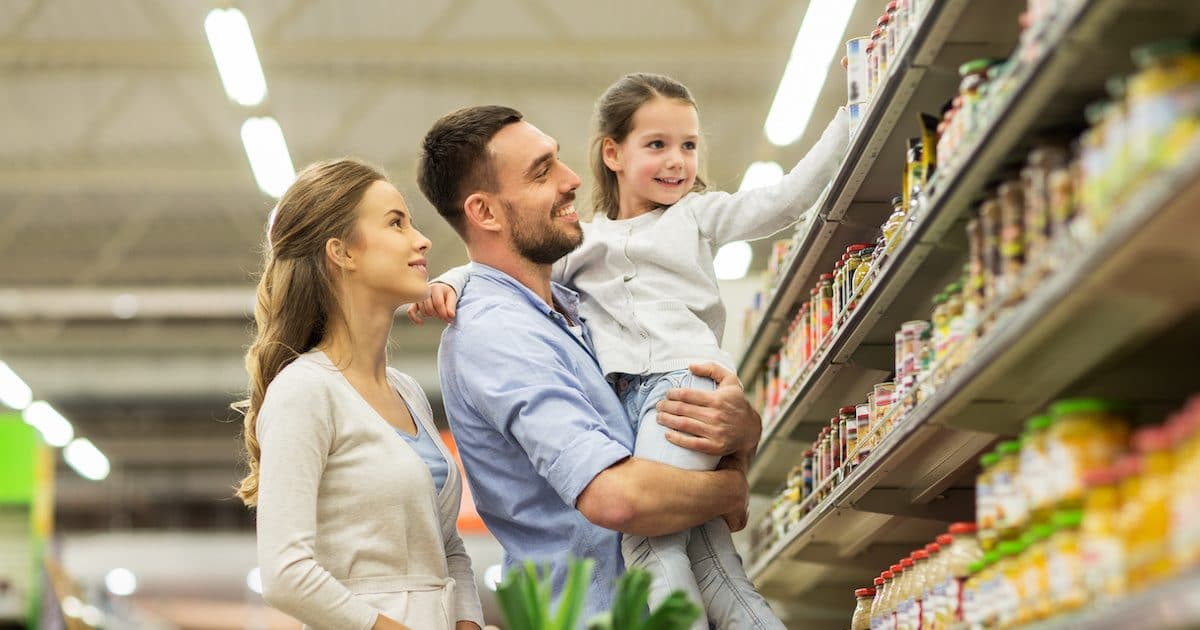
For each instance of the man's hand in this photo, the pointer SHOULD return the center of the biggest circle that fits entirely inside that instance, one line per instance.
(440, 304)
(718, 423)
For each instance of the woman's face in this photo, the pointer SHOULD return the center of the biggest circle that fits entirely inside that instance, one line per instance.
(387, 253)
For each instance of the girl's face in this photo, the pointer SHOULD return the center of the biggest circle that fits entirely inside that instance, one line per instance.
(656, 164)
(387, 254)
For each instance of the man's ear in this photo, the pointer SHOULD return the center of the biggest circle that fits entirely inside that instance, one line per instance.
(480, 209)
(611, 152)
(339, 255)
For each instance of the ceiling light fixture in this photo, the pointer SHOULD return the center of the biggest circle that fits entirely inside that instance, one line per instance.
(761, 174)
(816, 44)
(733, 260)
(237, 60)
(268, 154)
(86, 459)
(55, 429)
(13, 391)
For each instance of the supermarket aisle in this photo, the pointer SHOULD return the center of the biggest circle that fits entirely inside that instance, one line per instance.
(977, 404)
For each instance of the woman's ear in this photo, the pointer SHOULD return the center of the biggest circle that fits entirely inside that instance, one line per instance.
(337, 254)
(611, 152)
(479, 209)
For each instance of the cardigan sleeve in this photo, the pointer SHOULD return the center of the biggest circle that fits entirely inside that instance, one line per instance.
(295, 431)
(745, 215)
(458, 563)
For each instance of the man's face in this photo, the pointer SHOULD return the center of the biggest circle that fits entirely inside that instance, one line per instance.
(536, 192)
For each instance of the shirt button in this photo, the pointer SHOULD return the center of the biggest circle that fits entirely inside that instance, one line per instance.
(643, 335)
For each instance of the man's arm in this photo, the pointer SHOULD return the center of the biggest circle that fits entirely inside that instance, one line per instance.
(645, 498)
(719, 422)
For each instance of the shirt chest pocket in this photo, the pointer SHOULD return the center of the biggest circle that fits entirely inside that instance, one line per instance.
(415, 601)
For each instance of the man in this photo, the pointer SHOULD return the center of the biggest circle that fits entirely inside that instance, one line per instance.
(545, 440)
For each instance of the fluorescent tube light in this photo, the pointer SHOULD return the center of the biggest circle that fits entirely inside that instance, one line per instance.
(86, 459)
(237, 60)
(13, 391)
(817, 42)
(268, 155)
(55, 429)
(733, 260)
(761, 174)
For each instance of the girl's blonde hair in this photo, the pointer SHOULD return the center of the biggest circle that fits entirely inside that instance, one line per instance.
(296, 295)
(614, 119)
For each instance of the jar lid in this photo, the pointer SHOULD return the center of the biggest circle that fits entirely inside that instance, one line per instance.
(814, 291)
(1128, 466)
(1087, 405)
(808, 453)
(847, 409)
(1151, 440)
(864, 592)
(879, 581)
(826, 276)
(887, 575)
(989, 460)
(876, 33)
(897, 199)
(855, 248)
(1100, 477)
(1116, 86)
(976, 567)
(940, 299)
(975, 66)
(907, 563)
(833, 422)
(871, 44)
(1032, 537)
(954, 287)
(897, 568)
(1150, 53)
(1043, 531)
(958, 529)
(891, 6)
(1067, 519)
(991, 557)
(1010, 548)
(919, 554)
(883, 20)
(868, 251)
(1038, 423)
(945, 540)
(1011, 447)
(932, 548)
(1095, 112)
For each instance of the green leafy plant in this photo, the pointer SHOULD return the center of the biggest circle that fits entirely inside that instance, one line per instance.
(524, 600)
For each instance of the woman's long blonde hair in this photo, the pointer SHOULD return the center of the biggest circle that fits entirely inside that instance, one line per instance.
(296, 293)
(614, 119)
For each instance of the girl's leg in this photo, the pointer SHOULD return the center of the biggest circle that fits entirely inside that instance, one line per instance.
(665, 557)
(730, 599)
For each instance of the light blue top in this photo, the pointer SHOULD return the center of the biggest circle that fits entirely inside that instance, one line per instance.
(423, 444)
(535, 421)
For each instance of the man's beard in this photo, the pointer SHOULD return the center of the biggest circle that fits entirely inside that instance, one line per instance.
(543, 243)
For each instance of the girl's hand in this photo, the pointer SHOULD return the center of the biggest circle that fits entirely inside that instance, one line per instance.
(440, 304)
(466, 625)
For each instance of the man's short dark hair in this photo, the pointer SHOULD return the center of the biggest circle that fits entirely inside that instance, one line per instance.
(454, 161)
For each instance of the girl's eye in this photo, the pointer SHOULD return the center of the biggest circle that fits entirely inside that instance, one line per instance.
(689, 145)
(656, 144)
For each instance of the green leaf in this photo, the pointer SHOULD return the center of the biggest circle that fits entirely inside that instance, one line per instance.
(574, 595)
(521, 601)
(602, 621)
(629, 602)
(677, 612)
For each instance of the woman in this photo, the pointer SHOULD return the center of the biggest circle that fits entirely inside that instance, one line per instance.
(357, 497)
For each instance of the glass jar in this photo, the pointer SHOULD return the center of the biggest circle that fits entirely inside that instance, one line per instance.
(973, 77)
(850, 287)
(861, 619)
(989, 220)
(1149, 560)
(935, 574)
(912, 613)
(1164, 102)
(956, 329)
(883, 585)
(814, 319)
(893, 227)
(1101, 548)
(881, 413)
(1012, 240)
(1087, 434)
(883, 47)
(1010, 502)
(1064, 562)
(839, 275)
(825, 303)
(866, 439)
(985, 502)
(1009, 592)
(848, 424)
(1129, 520)
(872, 65)
(971, 598)
(890, 618)
(990, 589)
(862, 274)
(1094, 161)
(1035, 469)
(904, 593)
(960, 551)
(1035, 178)
(1036, 604)
(804, 336)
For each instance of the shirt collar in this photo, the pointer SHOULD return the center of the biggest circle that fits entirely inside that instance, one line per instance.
(566, 298)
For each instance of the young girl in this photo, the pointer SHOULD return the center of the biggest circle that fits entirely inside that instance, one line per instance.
(357, 497)
(650, 298)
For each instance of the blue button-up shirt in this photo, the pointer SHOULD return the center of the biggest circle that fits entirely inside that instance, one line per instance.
(535, 421)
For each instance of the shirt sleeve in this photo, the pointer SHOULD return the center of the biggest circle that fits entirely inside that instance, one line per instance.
(295, 431)
(746, 215)
(455, 278)
(532, 393)
(458, 563)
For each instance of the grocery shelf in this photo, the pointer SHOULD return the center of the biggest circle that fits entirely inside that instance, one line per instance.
(1049, 94)
(1172, 604)
(858, 200)
(1106, 319)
